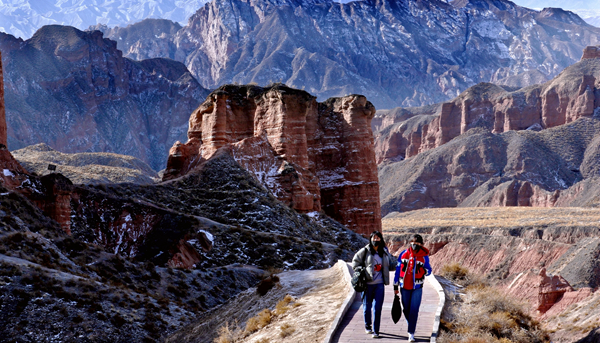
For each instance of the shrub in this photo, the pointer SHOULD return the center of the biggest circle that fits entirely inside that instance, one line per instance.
(226, 334)
(454, 271)
(259, 321)
(282, 306)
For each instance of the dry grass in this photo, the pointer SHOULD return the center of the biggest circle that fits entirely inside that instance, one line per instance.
(259, 321)
(226, 334)
(492, 217)
(283, 306)
(458, 274)
(286, 330)
(454, 271)
(233, 334)
(486, 315)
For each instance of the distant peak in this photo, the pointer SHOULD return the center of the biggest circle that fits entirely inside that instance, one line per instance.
(562, 15)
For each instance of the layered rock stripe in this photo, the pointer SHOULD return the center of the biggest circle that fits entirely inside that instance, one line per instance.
(312, 156)
(352, 327)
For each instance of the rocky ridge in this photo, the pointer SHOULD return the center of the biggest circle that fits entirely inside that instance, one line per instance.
(74, 91)
(312, 156)
(137, 44)
(376, 48)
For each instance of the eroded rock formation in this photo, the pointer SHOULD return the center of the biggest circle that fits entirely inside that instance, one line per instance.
(573, 94)
(312, 156)
(591, 52)
(538, 146)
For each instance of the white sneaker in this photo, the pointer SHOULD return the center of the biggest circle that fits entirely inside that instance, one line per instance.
(411, 337)
(375, 335)
(368, 331)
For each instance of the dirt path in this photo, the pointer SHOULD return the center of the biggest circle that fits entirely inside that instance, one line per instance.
(352, 327)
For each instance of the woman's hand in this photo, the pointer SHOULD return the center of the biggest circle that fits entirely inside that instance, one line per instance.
(396, 291)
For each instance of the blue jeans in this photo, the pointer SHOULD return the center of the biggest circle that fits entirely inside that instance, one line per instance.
(411, 301)
(373, 292)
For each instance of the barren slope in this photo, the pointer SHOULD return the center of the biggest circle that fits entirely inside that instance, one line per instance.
(86, 168)
(554, 167)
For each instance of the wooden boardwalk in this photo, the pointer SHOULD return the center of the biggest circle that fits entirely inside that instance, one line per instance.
(352, 327)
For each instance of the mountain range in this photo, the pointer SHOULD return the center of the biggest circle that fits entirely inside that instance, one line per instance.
(374, 47)
(22, 18)
(139, 105)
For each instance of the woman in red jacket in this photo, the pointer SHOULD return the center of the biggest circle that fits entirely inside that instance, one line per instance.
(413, 266)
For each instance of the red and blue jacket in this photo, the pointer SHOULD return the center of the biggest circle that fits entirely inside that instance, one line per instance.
(412, 268)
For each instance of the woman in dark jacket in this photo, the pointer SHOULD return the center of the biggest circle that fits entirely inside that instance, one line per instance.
(377, 261)
(410, 274)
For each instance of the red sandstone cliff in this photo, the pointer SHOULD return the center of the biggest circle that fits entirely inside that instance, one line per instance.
(312, 156)
(573, 94)
(2, 109)
(8, 165)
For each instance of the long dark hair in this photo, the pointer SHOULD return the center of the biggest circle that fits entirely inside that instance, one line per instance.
(380, 247)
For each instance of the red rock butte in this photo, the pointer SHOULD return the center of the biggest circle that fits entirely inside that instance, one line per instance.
(591, 52)
(312, 156)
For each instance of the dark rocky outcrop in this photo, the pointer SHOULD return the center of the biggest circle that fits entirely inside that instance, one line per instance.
(74, 91)
(311, 155)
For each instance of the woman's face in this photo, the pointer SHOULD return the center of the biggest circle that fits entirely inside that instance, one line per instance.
(415, 245)
(375, 240)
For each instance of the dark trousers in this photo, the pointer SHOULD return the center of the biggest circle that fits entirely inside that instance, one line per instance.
(411, 301)
(372, 299)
